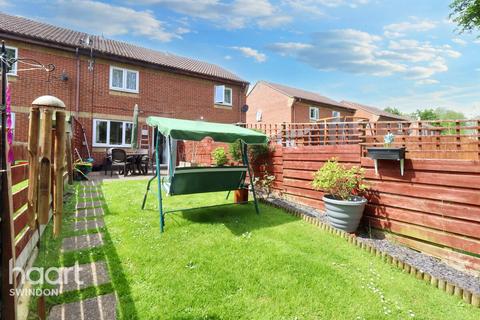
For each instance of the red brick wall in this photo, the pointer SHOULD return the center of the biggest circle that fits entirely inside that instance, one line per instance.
(200, 152)
(160, 93)
(275, 106)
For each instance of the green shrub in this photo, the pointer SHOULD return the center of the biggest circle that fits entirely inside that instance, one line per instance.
(336, 180)
(255, 151)
(235, 150)
(219, 156)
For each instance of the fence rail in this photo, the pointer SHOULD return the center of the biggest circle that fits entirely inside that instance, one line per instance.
(433, 139)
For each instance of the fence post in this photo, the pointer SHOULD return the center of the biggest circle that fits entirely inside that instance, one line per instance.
(362, 137)
(33, 133)
(59, 168)
(68, 154)
(478, 138)
(284, 134)
(47, 105)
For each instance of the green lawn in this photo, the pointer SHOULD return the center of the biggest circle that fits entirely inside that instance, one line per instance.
(229, 263)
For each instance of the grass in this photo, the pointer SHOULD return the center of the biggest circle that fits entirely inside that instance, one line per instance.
(229, 263)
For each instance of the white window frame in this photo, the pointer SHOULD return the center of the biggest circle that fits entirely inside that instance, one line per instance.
(108, 144)
(258, 116)
(222, 100)
(124, 80)
(317, 113)
(336, 115)
(15, 65)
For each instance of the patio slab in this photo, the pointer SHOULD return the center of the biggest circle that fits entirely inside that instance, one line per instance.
(89, 204)
(88, 275)
(85, 241)
(83, 225)
(88, 213)
(101, 307)
(90, 194)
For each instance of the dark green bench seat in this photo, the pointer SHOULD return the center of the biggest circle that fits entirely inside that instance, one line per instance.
(188, 180)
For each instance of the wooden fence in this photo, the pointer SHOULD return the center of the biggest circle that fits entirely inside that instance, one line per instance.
(25, 237)
(433, 208)
(438, 139)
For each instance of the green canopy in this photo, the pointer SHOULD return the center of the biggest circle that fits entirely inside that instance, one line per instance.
(197, 130)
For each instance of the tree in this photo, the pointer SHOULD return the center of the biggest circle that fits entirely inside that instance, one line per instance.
(446, 114)
(466, 13)
(393, 110)
(426, 114)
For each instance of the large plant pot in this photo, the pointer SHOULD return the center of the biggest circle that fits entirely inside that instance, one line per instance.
(344, 215)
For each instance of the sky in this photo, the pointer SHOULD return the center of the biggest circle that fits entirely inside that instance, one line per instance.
(385, 53)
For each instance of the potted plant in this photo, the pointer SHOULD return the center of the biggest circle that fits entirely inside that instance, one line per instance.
(343, 189)
(387, 152)
(219, 157)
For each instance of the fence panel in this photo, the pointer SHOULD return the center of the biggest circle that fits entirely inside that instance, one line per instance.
(434, 207)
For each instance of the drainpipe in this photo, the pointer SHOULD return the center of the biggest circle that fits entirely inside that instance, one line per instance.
(77, 84)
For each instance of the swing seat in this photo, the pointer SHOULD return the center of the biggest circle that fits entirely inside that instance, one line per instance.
(189, 180)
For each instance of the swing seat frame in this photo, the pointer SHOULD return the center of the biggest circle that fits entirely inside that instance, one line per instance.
(191, 180)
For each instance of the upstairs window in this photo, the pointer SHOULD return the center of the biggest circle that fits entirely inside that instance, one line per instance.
(123, 79)
(111, 133)
(258, 116)
(223, 95)
(336, 115)
(314, 113)
(12, 55)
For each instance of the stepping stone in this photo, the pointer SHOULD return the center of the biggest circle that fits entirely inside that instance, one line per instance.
(83, 276)
(88, 183)
(86, 241)
(89, 204)
(101, 307)
(88, 213)
(84, 225)
(89, 194)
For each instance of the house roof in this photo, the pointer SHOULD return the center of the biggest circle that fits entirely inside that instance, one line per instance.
(305, 95)
(26, 28)
(373, 110)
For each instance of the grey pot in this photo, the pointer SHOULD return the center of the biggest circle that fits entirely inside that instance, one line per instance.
(343, 214)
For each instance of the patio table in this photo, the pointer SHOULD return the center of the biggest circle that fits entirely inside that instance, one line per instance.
(137, 157)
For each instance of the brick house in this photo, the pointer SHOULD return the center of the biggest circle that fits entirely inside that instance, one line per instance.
(373, 114)
(275, 103)
(101, 80)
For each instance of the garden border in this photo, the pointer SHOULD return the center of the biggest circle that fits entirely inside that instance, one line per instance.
(466, 295)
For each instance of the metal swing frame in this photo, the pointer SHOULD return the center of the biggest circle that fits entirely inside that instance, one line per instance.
(157, 176)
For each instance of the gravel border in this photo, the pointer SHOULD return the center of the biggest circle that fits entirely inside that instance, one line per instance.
(422, 262)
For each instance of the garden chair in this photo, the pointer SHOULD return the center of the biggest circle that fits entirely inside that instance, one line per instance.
(120, 161)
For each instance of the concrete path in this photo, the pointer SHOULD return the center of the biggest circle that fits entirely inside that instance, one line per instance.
(101, 307)
(79, 277)
(84, 225)
(82, 242)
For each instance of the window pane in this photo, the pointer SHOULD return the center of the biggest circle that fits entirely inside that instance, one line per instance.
(228, 96)
(116, 131)
(219, 94)
(131, 80)
(117, 78)
(100, 131)
(128, 132)
(10, 57)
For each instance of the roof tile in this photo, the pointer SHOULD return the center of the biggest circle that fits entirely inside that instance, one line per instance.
(45, 32)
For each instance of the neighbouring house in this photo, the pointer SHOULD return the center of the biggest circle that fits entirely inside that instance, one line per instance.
(275, 103)
(373, 114)
(381, 119)
(101, 80)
